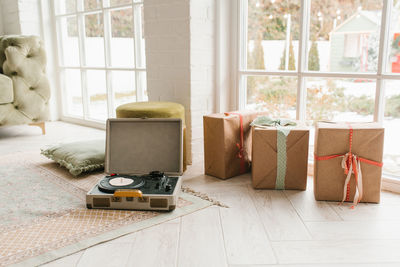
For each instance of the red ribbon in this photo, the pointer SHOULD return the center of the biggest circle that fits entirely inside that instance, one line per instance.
(350, 163)
(240, 145)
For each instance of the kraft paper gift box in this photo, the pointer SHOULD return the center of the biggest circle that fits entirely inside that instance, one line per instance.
(227, 143)
(279, 161)
(348, 162)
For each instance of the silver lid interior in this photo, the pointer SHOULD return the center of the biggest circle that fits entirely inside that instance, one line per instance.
(139, 146)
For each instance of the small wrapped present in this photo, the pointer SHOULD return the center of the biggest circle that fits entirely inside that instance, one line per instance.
(227, 143)
(348, 162)
(280, 154)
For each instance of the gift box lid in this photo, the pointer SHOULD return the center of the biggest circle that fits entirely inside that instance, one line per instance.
(346, 125)
(137, 146)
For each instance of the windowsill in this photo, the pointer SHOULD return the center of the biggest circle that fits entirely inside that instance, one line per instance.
(87, 123)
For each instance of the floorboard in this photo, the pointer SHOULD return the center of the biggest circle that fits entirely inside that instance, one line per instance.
(68, 261)
(308, 208)
(354, 230)
(279, 217)
(107, 255)
(342, 251)
(201, 240)
(156, 246)
(244, 235)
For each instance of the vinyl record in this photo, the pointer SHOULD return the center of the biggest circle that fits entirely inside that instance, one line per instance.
(111, 183)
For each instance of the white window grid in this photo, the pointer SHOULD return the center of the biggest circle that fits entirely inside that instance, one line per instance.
(105, 10)
(302, 73)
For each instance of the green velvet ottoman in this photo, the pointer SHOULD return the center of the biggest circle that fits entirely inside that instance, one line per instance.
(155, 110)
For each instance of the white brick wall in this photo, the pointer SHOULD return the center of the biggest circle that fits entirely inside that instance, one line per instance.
(20, 17)
(1, 20)
(202, 67)
(29, 17)
(10, 17)
(180, 59)
(226, 61)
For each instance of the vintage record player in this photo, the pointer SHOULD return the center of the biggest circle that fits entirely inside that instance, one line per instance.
(144, 163)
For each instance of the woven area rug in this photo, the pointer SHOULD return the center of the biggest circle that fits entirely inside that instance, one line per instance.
(43, 215)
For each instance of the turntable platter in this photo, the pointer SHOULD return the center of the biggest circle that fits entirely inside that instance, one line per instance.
(121, 181)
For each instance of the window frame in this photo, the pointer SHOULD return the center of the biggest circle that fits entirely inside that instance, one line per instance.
(139, 59)
(390, 182)
(302, 72)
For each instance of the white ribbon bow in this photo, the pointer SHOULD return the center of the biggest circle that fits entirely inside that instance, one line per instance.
(348, 161)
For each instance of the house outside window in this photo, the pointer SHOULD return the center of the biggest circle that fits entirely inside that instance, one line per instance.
(317, 60)
(352, 45)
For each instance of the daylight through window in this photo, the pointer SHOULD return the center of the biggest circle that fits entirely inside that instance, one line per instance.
(323, 60)
(101, 56)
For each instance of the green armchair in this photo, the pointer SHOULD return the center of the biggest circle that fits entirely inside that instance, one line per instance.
(24, 87)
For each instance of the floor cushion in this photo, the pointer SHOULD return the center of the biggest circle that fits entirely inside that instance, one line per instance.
(78, 157)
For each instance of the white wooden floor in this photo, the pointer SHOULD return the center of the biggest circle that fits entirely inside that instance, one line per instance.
(261, 228)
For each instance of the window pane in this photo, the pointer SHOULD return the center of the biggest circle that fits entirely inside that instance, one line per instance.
(340, 99)
(65, 6)
(92, 4)
(344, 35)
(73, 92)
(96, 84)
(120, 2)
(68, 32)
(391, 122)
(122, 46)
(123, 83)
(393, 63)
(273, 34)
(274, 94)
(94, 31)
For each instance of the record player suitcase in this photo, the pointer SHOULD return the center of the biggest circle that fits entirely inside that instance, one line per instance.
(144, 160)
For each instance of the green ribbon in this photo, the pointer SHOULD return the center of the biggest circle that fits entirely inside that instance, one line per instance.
(267, 121)
(283, 129)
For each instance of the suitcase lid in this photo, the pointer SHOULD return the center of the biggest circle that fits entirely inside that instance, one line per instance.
(137, 146)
